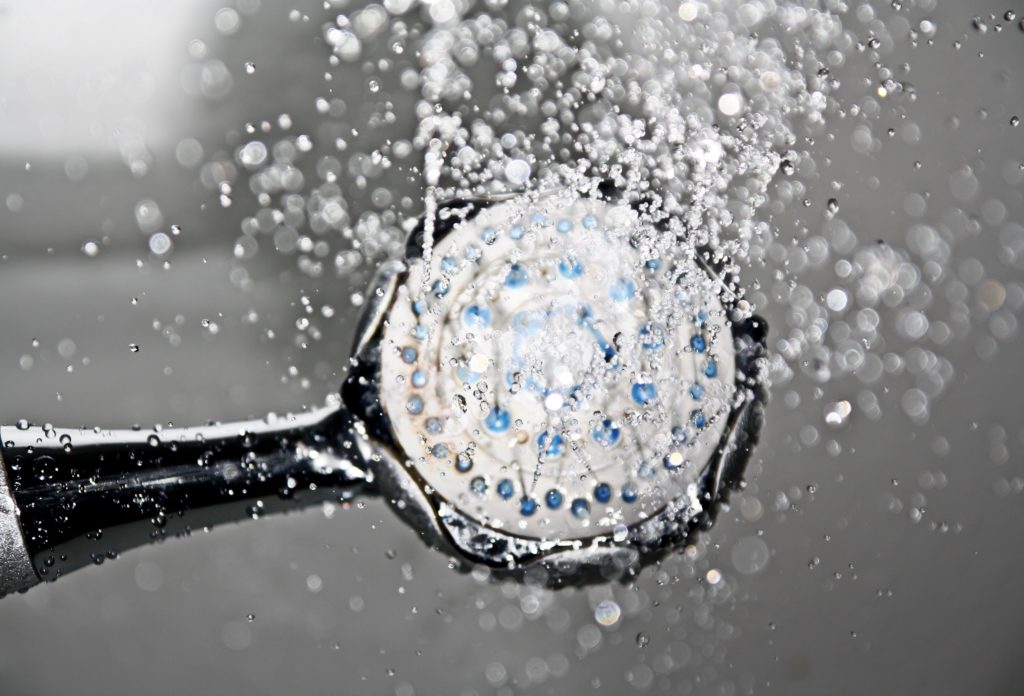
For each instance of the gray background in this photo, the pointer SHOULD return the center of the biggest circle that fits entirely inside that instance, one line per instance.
(351, 602)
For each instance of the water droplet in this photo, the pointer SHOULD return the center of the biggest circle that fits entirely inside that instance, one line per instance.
(607, 613)
(688, 11)
(730, 104)
(517, 172)
(160, 244)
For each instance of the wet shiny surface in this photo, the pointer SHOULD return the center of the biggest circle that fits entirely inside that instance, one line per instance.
(888, 566)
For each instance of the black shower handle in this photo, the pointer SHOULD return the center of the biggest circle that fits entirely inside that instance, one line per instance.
(70, 498)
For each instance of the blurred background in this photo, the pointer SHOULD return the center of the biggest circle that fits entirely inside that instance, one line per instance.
(871, 552)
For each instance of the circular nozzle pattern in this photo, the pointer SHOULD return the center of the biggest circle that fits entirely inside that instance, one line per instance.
(548, 375)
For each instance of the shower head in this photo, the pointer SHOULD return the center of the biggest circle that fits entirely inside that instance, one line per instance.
(548, 387)
(558, 384)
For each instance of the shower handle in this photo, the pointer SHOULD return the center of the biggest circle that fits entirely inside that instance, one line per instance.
(72, 498)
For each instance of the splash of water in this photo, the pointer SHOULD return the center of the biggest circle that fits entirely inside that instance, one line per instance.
(709, 111)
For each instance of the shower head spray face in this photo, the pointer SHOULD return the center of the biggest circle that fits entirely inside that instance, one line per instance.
(543, 386)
